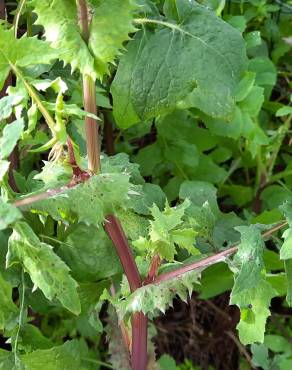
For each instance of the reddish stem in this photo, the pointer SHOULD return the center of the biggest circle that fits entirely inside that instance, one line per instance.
(117, 235)
(153, 271)
(139, 320)
(210, 260)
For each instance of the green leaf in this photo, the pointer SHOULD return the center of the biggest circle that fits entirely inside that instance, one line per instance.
(249, 258)
(22, 52)
(8, 214)
(7, 360)
(6, 104)
(65, 357)
(215, 280)
(33, 339)
(8, 310)
(105, 41)
(10, 136)
(89, 253)
(260, 356)
(199, 192)
(4, 167)
(167, 363)
(244, 87)
(177, 65)
(277, 343)
(286, 249)
(266, 73)
(254, 309)
(284, 111)
(47, 271)
(288, 270)
(151, 194)
(240, 194)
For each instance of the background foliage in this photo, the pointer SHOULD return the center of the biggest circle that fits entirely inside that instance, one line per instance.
(194, 106)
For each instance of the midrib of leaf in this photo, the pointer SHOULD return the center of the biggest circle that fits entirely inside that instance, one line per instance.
(49, 119)
(176, 27)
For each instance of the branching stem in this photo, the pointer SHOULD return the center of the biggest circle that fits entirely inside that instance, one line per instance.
(139, 320)
(211, 260)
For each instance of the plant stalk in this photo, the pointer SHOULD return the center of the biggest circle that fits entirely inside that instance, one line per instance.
(89, 99)
(139, 320)
(91, 125)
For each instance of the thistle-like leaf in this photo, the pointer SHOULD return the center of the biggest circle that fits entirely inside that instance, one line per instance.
(106, 40)
(88, 202)
(60, 20)
(166, 231)
(47, 271)
(152, 298)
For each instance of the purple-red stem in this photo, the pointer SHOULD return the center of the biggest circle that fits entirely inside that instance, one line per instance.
(215, 258)
(139, 320)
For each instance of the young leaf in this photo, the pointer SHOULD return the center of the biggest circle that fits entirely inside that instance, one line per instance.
(8, 214)
(47, 271)
(10, 136)
(164, 233)
(254, 309)
(193, 63)
(22, 52)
